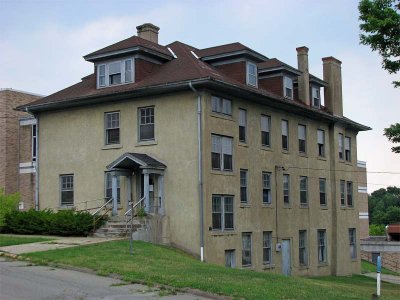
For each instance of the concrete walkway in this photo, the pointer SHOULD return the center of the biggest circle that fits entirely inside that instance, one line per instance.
(385, 277)
(57, 243)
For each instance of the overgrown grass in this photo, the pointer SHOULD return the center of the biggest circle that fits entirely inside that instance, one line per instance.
(367, 267)
(159, 264)
(9, 240)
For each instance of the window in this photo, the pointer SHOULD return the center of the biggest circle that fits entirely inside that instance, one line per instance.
(303, 261)
(251, 74)
(316, 97)
(67, 190)
(302, 138)
(303, 190)
(230, 258)
(221, 153)
(265, 130)
(349, 185)
(347, 148)
(322, 246)
(267, 245)
(285, 135)
(242, 125)
(286, 191)
(288, 87)
(321, 142)
(352, 242)
(146, 123)
(243, 186)
(342, 193)
(112, 128)
(340, 141)
(222, 212)
(266, 184)
(34, 140)
(221, 106)
(115, 72)
(108, 187)
(322, 192)
(246, 249)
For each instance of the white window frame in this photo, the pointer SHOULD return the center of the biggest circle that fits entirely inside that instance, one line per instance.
(347, 148)
(220, 145)
(245, 248)
(244, 177)
(140, 124)
(353, 243)
(251, 76)
(316, 94)
(231, 255)
(321, 143)
(113, 126)
(341, 146)
(221, 105)
(285, 133)
(303, 255)
(266, 186)
(223, 212)
(34, 142)
(286, 189)
(322, 247)
(349, 194)
(302, 136)
(67, 186)
(342, 193)
(267, 247)
(322, 191)
(243, 124)
(266, 128)
(107, 72)
(287, 84)
(303, 188)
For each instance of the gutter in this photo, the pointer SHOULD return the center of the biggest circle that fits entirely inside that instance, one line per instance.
(37, 160)
(200, 168)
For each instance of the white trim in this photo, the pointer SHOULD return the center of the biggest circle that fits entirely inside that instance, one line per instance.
(30, 164)
(123, 51)
(361, 164)
(248, 64)
(27, 170)
(26, 122)
(363, 217)
(194, 54)
(172, 52)
(234, 53)
(19, 91)
(362, 189)
(363, 214)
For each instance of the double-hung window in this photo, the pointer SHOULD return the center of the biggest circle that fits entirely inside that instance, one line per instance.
(347, 148)
(349, 185)
(108, 187)
(34, 141)
(242, 125)
(342, 193)
(303, 190)
(267, 246)
(115, 72)
(285, 135)
(146, 123)
(221, 105)
(230, 258)
(112, 134)
(341, 145)
(286, 189)
(221, 153)
(102, 75)
(67, 190)
(316, 97)
(288, 87)
(265, 131)
(251, 74)
(246, 249)
(322, 192)
(266, 184)
(321, 142)
(222, 212)
(301, 130)
(353, 243)
(243, 186)
(303, 261)
(321, 234)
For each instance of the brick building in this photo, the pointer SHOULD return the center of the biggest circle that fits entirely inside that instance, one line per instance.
(17, 146)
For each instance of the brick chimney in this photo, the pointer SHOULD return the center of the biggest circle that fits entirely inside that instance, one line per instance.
(304, 79)
(333, 92)
(148, 32)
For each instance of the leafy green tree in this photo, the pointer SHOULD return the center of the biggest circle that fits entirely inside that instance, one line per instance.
(393, 134)
(380, 29)
(375, 230)
(384, 206)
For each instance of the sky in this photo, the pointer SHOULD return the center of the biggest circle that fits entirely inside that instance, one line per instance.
(42, 44)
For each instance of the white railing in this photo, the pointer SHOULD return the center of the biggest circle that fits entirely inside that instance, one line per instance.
(101, 207)
(129, 214)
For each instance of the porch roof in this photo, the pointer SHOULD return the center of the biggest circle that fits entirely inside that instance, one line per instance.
(131, 160)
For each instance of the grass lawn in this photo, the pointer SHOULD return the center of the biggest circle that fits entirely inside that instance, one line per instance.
(159, 264)
(9, 240)
(367, 267)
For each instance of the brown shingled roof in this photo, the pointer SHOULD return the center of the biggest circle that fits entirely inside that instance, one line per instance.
(224, 49)
(131, 42)
(273, 63)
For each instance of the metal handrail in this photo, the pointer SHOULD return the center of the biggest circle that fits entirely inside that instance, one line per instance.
(95, 220)
(136, 204)
(101, 207)
(129, 213)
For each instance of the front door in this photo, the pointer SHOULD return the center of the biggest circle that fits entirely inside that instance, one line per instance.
(286, 260)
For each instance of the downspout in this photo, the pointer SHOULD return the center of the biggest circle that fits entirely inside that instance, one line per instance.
(37, 160)
(200, 167)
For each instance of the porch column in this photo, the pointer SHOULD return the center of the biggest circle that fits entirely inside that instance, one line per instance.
(146, 192)
(128, 191)
(114, 193)
(161, 193)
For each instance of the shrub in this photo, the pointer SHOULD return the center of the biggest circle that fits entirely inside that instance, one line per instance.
(64, 223)
(8, 203)
(376, 229)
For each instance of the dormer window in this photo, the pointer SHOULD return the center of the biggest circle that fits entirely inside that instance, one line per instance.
(316, 97)
(288, 87)
(115, 72)
(251, 74)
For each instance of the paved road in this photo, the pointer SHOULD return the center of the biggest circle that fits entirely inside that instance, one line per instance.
(19, 281)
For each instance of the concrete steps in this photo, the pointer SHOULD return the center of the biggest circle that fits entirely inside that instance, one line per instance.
(116, 227)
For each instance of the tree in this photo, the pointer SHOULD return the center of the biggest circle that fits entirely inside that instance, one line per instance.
(380, 29)
(384, 206)
(393, 135)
